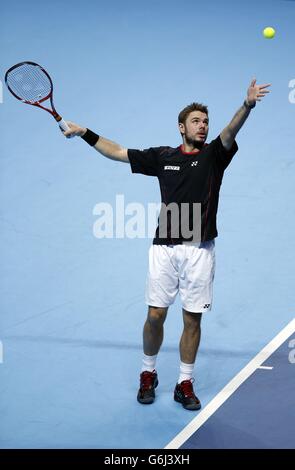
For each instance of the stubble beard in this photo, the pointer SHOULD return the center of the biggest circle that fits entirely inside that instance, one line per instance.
(195, 143)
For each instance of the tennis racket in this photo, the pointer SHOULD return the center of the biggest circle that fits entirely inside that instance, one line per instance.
(31, 84)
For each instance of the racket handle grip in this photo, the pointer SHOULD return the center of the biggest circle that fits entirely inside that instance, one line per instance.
(63, 125)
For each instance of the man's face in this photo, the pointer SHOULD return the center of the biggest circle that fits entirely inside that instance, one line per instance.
(195, 128)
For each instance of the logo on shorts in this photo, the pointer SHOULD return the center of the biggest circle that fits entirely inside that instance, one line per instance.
(194, 163)
(206, 306)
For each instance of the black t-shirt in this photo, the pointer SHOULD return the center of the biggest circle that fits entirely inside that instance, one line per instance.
(185, 180)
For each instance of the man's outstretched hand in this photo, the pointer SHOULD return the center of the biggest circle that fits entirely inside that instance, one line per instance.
(256, 92)
(75, 130)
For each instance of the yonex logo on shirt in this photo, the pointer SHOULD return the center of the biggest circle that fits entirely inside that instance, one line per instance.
(169, 167)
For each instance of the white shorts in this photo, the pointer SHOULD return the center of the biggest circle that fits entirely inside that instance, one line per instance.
(187, 269)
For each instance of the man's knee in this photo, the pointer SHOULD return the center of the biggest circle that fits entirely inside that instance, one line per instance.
(192, 319)
(157, 315)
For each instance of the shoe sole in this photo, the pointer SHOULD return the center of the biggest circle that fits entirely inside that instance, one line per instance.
(149, 400)
(188, 407)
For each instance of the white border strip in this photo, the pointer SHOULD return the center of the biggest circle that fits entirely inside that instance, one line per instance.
(232, 386)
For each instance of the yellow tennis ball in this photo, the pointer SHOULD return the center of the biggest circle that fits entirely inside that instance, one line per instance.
(269, 32)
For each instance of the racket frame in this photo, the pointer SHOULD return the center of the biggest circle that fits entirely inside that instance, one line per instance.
(52, 111)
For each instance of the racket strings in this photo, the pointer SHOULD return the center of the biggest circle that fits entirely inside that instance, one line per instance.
(29, 83)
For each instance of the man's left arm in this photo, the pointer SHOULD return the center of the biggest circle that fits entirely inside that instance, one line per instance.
(254, 93)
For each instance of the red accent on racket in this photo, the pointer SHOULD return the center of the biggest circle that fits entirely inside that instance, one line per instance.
(31, 84)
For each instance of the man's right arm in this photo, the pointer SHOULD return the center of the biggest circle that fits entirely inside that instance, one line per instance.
(104, 146)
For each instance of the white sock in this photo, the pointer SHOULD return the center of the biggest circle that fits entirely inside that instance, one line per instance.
(148, 363)
(186, 372)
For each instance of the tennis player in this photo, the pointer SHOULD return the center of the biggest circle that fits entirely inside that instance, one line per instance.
(182, 256)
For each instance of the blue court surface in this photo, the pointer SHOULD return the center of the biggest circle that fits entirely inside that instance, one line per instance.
(255, 410)
(72, 304)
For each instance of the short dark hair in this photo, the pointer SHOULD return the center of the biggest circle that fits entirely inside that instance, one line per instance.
(188, 109)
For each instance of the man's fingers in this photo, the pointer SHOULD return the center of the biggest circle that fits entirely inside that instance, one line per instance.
(253, 82)
(68, 133)
(72, 131)
(264, 86)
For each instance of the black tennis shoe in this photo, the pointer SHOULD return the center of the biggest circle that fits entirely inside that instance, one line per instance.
(148, 383)
(184, 394)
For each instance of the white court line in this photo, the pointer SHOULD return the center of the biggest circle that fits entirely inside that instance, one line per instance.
(265, 367)
(232, 386)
